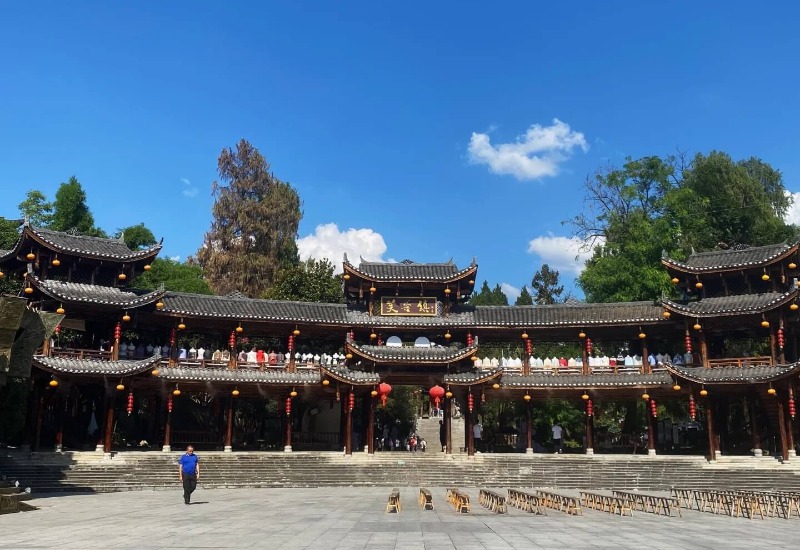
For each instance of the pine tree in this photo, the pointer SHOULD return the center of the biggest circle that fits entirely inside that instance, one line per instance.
(70, 210)
(254, 227)
(524, 298)
(546, 289)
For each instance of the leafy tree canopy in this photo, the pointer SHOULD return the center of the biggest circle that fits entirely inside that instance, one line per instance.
(70, 210)
(524, 298)
(254, 227)
(37, 209)
(489, 297)
(546, 289)
(136, 236)
(175, 276)
(309, 281)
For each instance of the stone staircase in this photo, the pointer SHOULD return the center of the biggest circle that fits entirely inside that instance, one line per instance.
(428, 428)
(155, 470)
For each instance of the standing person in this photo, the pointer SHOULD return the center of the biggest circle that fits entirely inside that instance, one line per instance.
(557, 433)
(442, 435)
(477, 434)
(189, 472)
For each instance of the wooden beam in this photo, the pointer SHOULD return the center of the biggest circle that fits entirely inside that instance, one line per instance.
(712, 437)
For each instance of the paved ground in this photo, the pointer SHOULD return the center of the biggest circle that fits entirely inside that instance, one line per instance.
(354, 518)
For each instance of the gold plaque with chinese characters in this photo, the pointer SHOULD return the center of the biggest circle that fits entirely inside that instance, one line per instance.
(411, 307)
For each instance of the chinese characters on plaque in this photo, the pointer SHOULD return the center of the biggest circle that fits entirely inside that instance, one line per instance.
(414, 307)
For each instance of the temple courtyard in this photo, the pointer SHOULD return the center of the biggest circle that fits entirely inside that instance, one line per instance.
(355, 518)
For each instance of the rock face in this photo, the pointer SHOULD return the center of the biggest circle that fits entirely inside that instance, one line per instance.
(155, 470)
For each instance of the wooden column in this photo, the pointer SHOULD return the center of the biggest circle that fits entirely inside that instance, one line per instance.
(651, 429)
(590, 432)
(773, 345)
(448, 415)
(38, 426)
(712, 436)
(371, 425)
(790, 450)
(30, 415)
(782, 426)
(348, 430)
(287, 448)
(755, 432)
(110, 401)
(585, 357)
(470, 440)
(646, 367)
(703, 349)
(229, 427)
(166, 447)
(61, 403)
(528, 429)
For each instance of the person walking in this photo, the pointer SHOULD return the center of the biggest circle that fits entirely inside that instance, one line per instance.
(477, 435)
(442, 435)
(189, 472)
(557, 434)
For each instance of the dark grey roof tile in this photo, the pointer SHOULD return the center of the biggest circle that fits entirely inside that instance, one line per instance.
(714, 260)
(731, 305)
(93, 366)
(586, 381)
(94, 294)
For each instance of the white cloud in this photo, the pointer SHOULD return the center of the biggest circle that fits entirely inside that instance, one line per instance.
(511, 292)
(536, 154)
(176, 258)
(793, 213)
(566, 254)
(328, 242)
(189, 190)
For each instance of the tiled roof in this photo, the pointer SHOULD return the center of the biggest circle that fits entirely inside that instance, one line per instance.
(350, 376)
(733, 374)
(94, 294)
(731, 305)
(82, 245)
(410, 271)
(268, 376)
(577, 315)
(716, 260)
(586, 381)
(472, 377)
(413, 354)
(93, 366)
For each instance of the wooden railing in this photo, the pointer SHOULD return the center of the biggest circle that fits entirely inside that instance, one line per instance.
(758, 361)
(77, 353)
(326, 440)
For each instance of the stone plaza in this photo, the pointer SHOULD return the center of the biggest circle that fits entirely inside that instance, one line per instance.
(352, 518)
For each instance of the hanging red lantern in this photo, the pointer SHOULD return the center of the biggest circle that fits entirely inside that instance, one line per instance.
(118, 332)
(653, 408)
(57, 330)
(470, 341)
(528, 347)
(288, 406)
(351, 335)
(169, 403)
(173, 337)
(436, 393)
(781, 340)
(380, 340)
(688, 341)
(384, 390)
(352, 401)
(692, 408)
(792, 410)
(589, 346)
(130, 403)
(291, 343)
(232, 340)
(589, 408)
(470, 402)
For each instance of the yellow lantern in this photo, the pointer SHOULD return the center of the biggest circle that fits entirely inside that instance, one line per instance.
(666, 314)
(326, 382)
(239, 329)
(346, 276)
(374, 393)
(792, 265)
(181, 325)
(524, 335)
(53, 383)
(56, 262)
(496, 386)
(676, 387)
(581, 335)
(120, 386)
(372, 290)
(765, 276)
(472, 281)
(176, 392)
(526, 397)
(60, 310)
(147, 267)
(159, 305)
(235, 392)
(642, 335)
(703, 392)
(645, 396)
(296, 332)
(122, 276)
(447, 335)
(372, 335)
(794, 307)
(348, 356)
(31, 256)
(293, 393)
(475, 358)
(447, 291)
(698, 285)
(2, 274)
(771, 391)
(126, 317)
(697, 326)
(675, 280)
(585, 396)
(28, 290)
(448, 394)
(765, 323)
(154, 372)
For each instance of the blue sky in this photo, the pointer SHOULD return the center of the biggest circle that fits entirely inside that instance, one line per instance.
(389, 118)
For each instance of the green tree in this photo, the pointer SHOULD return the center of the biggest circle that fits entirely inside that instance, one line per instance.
(175, 276)
(37, 209)
(9, 233)
(70, 210)
(254, 228)
(309, 281)
(546, 289)
(136, 236)
(489, 296)
(524, 298)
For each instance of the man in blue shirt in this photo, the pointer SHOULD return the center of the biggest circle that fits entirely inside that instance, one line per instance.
(189, 472)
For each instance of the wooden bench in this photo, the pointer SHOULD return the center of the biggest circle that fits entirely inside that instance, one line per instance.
(604, 502)
(731, 503)
(458, 500)
(425, 499)
(656, 504)
(394, 502)
(493, 501)
(526, 501)
(561, 502)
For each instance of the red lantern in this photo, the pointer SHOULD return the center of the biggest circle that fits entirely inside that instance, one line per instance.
(692, 408)
(351, 336)
(118, 332)
(169, 403)
(469, 339)
(173, 339)
(232, 340)
(436, 393)
(352, 402)
(688, 340)
(589, 346)
(792, 410)
(653, 408)
(291, 343)
(470, 402)
(384, 389)
(780, 338)
(528, 347)
(288, 406)
(57, 329)
(130, 403)
(589, 408)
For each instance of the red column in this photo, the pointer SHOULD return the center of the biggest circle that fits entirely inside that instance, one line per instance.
(651, 428)
(782, 426)
(229, 428)
(470, 434)
(590, 428)
(528, 428)
(168, 426)
(371, 427)
(712, 436)
(110, 400)
(448, 415)
(288, 443)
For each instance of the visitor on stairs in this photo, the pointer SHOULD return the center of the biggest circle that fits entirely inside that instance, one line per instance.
(189, 472)
(477, 434)
(557, 432)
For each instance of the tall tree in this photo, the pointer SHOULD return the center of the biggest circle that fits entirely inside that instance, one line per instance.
(70, 210)
(136, 236)
(309, 281)
(175, 276)
(546, 287)
(524, 298)
(37, 209)
(254, 227)
(489, 296)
